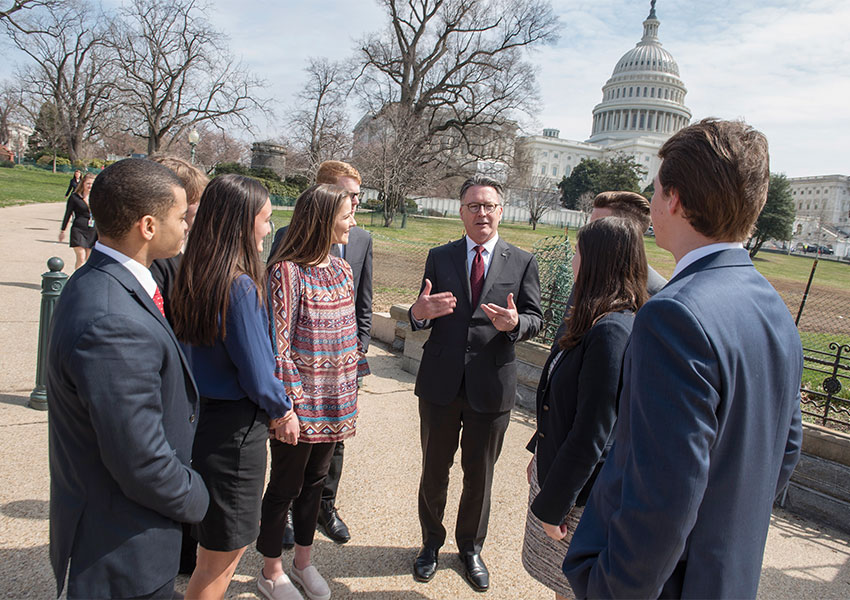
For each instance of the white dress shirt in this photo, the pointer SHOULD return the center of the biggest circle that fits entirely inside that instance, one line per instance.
(698, 253)
(139, 271)
(486, 254)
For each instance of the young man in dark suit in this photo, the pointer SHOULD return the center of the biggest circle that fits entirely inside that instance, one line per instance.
(480, 295)
(709, 422)
(357, 253)
(123, 405)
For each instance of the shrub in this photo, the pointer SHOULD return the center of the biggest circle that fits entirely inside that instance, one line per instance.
(97, 163)
(7, 164)
(47, 159)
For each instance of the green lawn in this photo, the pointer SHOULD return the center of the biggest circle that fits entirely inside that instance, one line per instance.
(25, 186)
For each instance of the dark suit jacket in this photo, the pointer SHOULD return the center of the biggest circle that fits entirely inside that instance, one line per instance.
(464, 347)
(123, 409)
(708, 433)
(358, 254)
(576, 412)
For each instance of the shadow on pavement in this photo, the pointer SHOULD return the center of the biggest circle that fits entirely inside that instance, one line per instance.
(14, 400)
(21, 284)
(27, 509)
(27, 573)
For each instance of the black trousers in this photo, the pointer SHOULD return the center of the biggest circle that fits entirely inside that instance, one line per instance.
(332, 480)
(297, 476)
(480, 436)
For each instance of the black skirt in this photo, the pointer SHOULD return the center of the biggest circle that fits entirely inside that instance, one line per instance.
(83, 236)
(230, 454)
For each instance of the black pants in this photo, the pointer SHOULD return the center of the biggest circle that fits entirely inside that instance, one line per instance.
(332, 480)
(481, 436)
(297, 476)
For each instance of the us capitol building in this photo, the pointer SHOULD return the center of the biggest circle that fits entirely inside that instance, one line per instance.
(643, 104)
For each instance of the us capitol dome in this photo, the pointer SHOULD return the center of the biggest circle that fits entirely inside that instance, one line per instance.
(644, 96)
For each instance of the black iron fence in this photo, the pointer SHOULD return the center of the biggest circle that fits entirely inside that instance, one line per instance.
(826, 386)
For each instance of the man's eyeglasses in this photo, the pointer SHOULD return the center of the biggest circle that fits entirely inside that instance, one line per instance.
(475, 207)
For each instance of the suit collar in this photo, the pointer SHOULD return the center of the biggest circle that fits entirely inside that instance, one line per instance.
(737, 257)
(458, 254)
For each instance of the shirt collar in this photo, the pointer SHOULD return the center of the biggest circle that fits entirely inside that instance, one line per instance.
(698, 253)
(139, 271)
(488, 245)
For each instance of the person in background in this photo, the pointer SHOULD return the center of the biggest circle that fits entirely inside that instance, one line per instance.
(577, 393)
(194, 181)
(220, 317)
(358, 254)
(75, 181)
(122, 401)
(320, 357)
(83, 232)
(709, 427)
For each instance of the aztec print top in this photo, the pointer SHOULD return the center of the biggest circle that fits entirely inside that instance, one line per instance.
(319, 355)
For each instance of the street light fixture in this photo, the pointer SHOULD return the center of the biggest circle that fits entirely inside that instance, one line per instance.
(194, 136)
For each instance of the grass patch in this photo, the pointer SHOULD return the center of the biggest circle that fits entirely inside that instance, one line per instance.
(26, 186)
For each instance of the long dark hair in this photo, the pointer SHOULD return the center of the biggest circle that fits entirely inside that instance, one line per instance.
(220, 248)
(611, 276)
(308, 238)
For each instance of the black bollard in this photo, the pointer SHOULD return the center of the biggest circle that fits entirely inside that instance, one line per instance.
(52, 284)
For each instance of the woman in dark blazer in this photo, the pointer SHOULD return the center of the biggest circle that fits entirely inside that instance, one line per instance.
(577, 393)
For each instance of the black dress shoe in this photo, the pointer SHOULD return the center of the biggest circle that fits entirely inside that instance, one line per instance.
(333, 526)
(288, 532)
(425, 564)
(476, 572)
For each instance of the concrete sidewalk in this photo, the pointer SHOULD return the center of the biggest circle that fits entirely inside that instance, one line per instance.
(378, 490)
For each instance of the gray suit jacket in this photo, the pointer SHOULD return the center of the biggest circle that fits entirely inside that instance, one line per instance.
(123, 409)
(708, 432)
(358, 254)
(464, 347)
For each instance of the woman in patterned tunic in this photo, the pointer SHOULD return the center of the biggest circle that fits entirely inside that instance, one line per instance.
(577, 394)
(315, 334)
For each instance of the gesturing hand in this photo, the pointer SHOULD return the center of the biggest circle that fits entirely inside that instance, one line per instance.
(503, 319)
(430, 306)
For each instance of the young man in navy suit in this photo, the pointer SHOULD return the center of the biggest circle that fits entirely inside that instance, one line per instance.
(709, 423)
(123, 405)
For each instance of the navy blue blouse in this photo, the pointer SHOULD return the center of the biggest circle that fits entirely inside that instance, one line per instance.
(242, 365)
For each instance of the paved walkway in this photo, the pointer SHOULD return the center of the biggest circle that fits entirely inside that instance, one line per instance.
(378, 491)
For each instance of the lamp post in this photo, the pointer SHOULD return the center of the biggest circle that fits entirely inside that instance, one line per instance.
(194, 136)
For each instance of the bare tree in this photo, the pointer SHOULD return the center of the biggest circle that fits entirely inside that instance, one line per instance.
(452, 73)
(176, 70)
(70, 66)
(538, 198)
(10, 108)
(6, 13)
(318, 125)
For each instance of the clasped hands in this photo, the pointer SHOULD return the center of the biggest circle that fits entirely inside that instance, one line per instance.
(430, 306)
(286, 429)
(556, 532)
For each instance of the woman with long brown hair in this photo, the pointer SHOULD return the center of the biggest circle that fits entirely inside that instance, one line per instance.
(219, 314)
(83, 233)
(577, 393)
(320, 358)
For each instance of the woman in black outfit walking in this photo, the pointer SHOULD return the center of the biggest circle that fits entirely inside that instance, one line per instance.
(83, 233)
(75, 181)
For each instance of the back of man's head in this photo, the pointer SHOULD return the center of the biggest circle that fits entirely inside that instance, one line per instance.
(720, 170)
(194, 180)
(627, 205)
(128, 190)
(331, 170)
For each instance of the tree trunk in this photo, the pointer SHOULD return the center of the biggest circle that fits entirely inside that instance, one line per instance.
(54, 160)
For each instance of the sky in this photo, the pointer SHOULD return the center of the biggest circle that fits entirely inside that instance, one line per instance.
(781, 65)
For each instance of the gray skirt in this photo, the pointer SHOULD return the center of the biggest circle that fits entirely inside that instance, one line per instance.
(542, 556)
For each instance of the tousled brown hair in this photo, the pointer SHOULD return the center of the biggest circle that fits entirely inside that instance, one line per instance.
(720, 170)
(628, 205)
(194, 180)
(221, 247)
(611, 276)
(308, 237)
(330, 170)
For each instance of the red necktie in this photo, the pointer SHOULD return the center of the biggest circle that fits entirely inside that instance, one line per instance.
(157, 299)
(476, 275)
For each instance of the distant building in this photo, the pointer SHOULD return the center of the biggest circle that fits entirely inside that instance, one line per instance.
(822, 205)
(269, 154)
(643, 104)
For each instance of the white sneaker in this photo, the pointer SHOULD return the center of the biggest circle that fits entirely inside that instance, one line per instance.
(279, 589)
(314, 585)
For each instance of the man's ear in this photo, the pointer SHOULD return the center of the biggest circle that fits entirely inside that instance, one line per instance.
(674, 203)
(147, 227)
